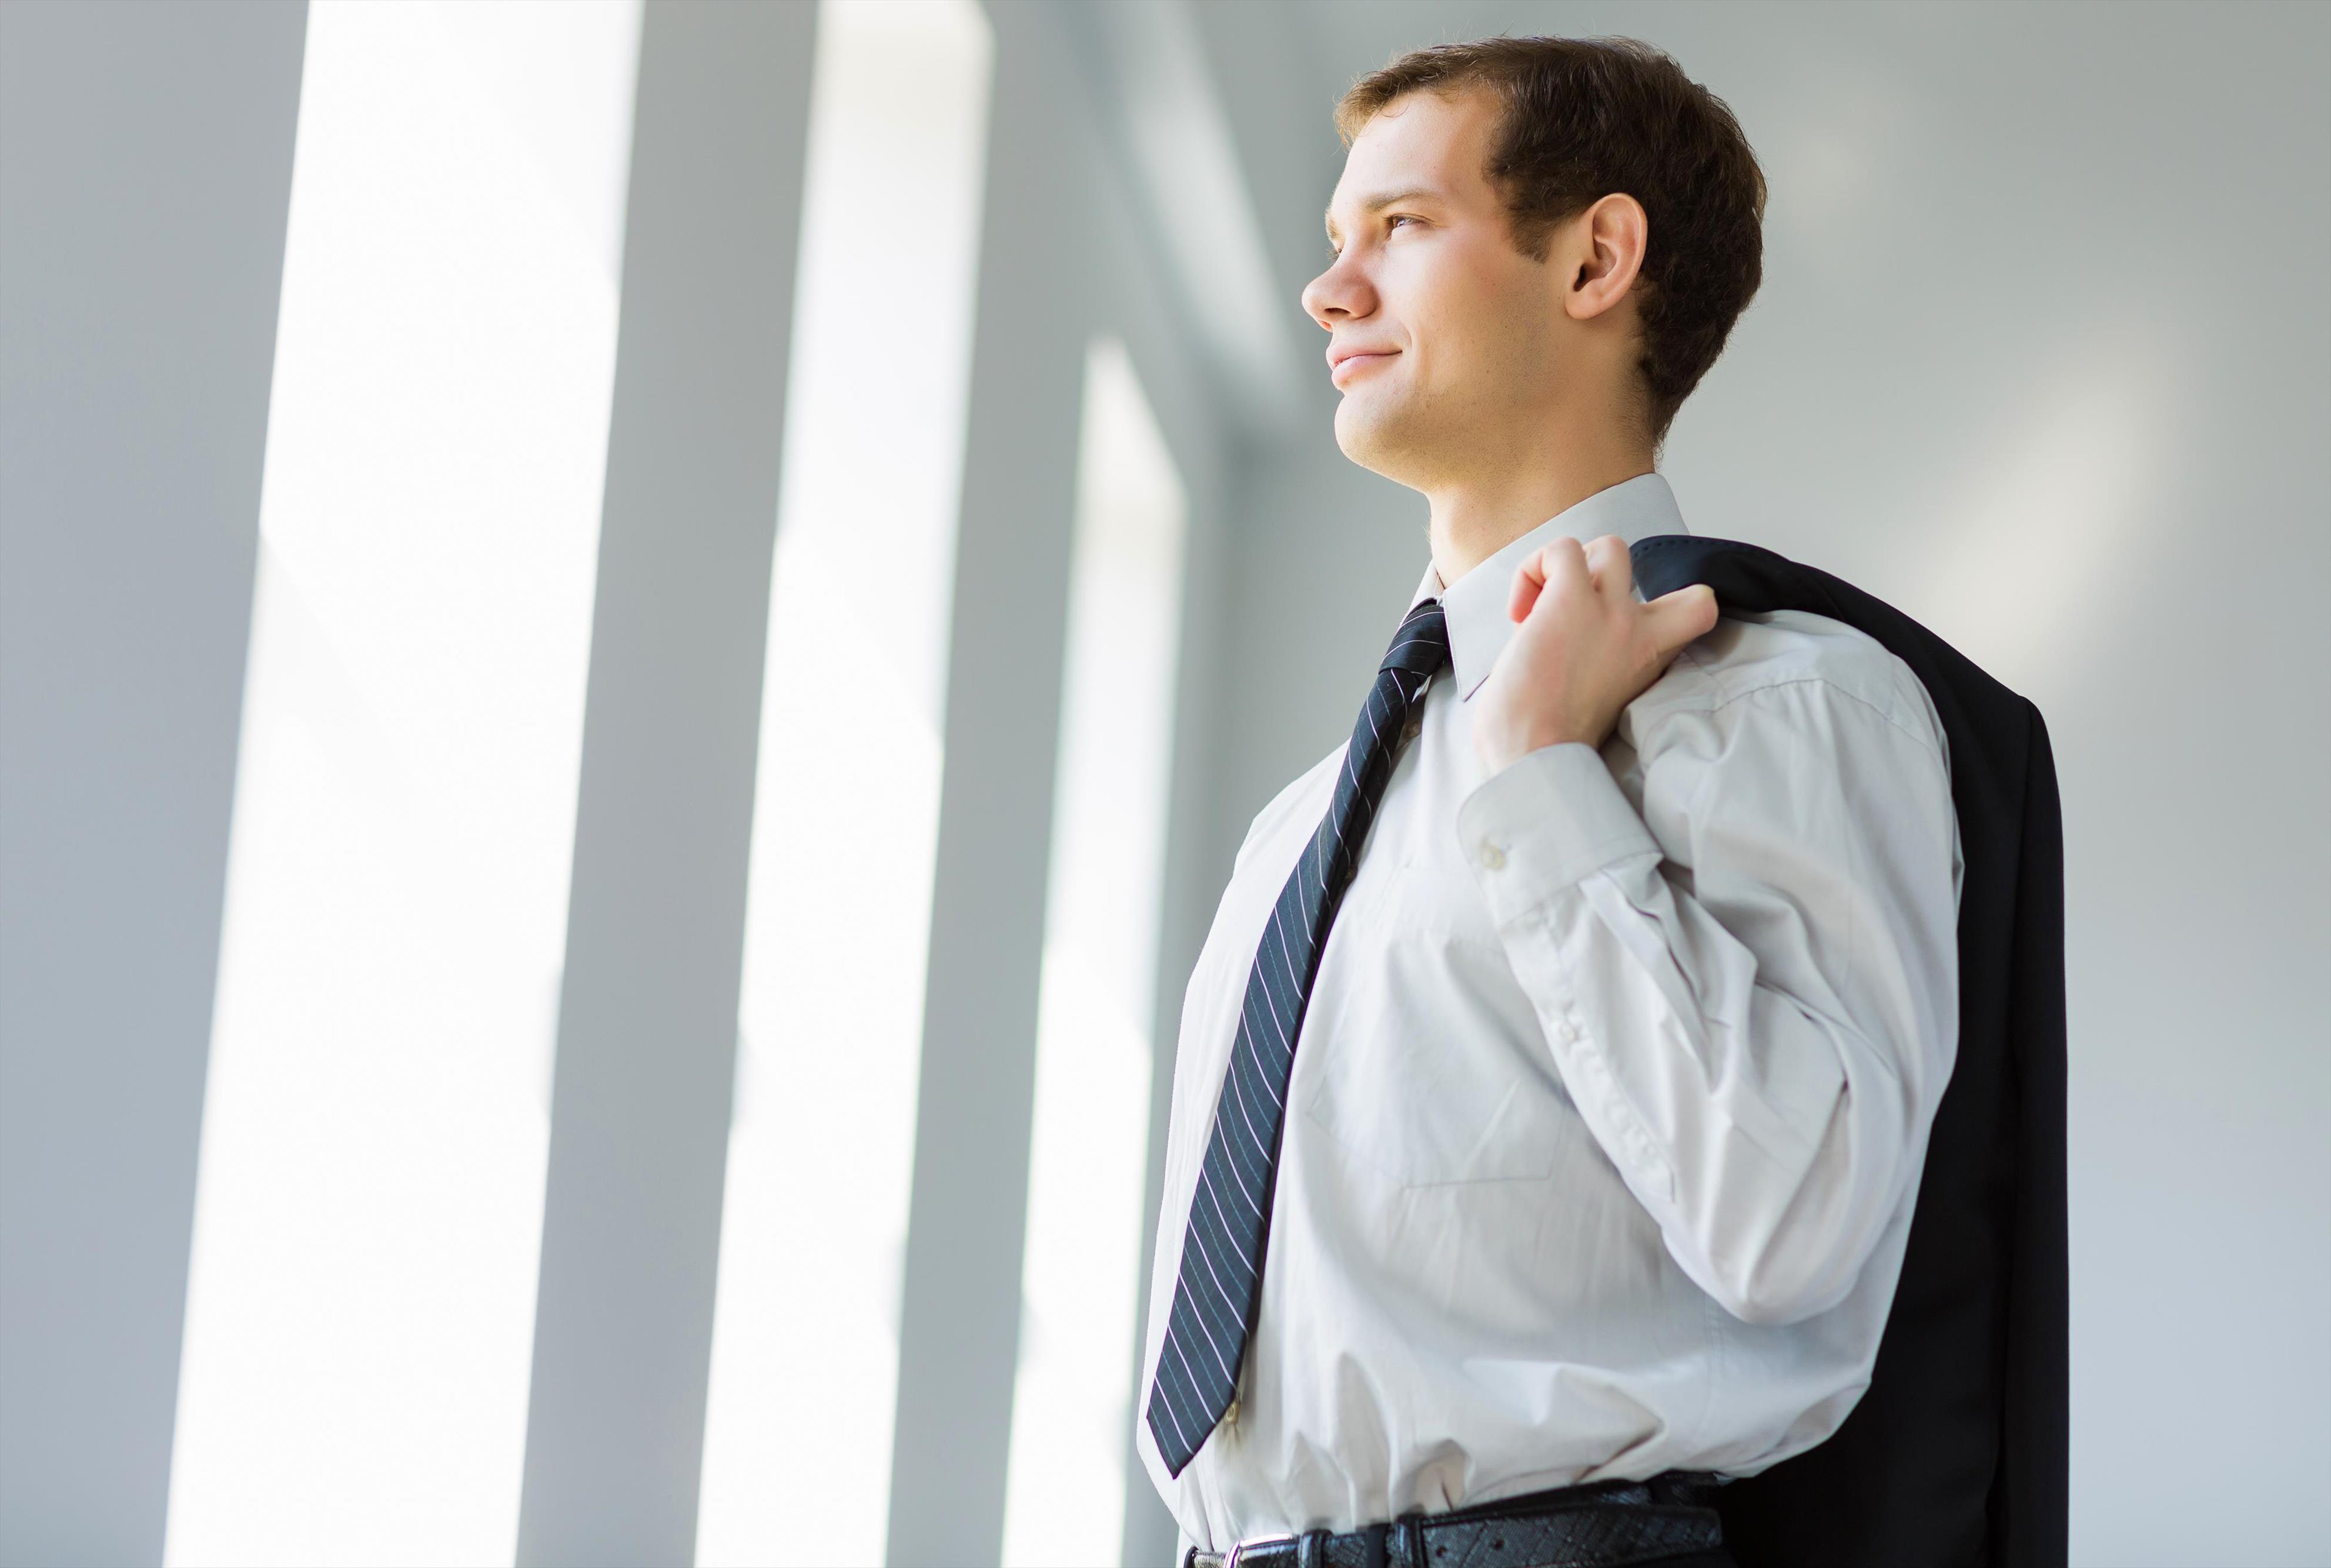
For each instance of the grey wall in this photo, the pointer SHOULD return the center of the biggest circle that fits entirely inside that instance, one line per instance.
(656, 920)
(959, 1323)
(140, 348)
(1068, 251)
(2042, 355)
(145, 177)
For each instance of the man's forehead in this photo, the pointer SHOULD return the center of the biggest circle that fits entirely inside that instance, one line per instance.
(1425, 144)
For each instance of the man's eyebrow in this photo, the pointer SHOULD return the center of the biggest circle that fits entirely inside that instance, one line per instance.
(1397, 198)
(1378, 203)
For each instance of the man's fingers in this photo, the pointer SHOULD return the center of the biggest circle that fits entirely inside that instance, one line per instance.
(1529, 581)
(1528, 586)
(1680, 617)
(1560, 566)
(1565, 563)
(1567, 573)
(1612, 568)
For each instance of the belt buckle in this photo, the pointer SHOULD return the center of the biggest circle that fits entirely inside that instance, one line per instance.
(1240, 1548)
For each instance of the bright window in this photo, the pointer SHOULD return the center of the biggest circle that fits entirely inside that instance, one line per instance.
(845, 820)
(367, 1220)
(1071, 1421)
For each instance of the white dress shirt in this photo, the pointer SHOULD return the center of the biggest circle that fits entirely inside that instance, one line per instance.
(1608, 1111)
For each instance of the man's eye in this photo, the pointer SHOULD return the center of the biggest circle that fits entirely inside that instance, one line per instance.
(1399, 220)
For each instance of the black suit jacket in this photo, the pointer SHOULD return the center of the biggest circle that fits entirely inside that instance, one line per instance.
(1956, 1455)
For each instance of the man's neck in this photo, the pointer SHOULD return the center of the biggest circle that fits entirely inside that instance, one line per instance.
(1475, 517)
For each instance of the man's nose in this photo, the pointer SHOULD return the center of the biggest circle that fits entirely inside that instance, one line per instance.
(1336, 295)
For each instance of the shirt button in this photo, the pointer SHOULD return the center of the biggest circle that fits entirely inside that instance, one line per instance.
(1492, 857)
(1566, 1031)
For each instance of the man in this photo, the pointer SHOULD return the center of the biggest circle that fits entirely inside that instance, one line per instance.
(1554, 1085)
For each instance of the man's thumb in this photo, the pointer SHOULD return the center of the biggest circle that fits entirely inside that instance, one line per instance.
(1682, 616)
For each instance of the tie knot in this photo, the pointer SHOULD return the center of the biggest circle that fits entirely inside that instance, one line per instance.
(1422, 643)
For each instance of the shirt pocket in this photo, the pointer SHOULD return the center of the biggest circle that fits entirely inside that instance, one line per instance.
(1430, 1068)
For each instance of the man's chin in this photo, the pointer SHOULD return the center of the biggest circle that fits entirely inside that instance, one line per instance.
(1375, 437)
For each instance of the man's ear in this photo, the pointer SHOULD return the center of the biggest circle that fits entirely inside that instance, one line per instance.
(1605, 255)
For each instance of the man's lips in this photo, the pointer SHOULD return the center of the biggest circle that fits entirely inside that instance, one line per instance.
(1345, 362)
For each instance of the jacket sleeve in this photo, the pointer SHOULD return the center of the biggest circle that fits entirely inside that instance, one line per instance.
(1738, 932)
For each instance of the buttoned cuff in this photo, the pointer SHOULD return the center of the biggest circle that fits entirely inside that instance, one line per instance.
(1546, 821)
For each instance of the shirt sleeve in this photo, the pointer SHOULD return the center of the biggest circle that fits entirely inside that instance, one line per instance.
(1745, 960)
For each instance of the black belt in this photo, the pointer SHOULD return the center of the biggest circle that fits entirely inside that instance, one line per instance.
(1598, 1527)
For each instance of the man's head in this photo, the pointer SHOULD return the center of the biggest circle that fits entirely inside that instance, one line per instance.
(1531, 235)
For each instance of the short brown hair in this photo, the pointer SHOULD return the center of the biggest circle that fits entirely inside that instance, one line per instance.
(1586, 118)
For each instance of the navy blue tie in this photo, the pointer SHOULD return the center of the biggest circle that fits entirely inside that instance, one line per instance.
(1220, 1285)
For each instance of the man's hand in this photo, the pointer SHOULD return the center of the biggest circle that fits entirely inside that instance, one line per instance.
(1585, 649)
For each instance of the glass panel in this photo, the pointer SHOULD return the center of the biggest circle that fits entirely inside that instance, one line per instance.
(1072, 1417)
(804, 1344)
(367, 1222)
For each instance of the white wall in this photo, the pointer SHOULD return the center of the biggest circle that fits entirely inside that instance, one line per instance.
(2043, 356)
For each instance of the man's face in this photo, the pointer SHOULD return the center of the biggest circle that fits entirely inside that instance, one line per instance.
(1446, 338)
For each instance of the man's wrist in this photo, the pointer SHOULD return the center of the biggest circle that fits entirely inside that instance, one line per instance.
(1498, 753)
(1551, 818)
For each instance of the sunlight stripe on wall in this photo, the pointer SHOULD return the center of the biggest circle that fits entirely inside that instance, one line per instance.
(369, 1199)
(845, 818)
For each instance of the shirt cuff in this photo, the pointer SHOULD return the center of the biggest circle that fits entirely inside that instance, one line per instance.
(1546, 821)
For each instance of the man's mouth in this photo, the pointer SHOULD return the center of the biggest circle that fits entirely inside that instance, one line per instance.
(1343, 364)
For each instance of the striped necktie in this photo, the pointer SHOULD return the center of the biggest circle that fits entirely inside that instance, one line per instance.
(1220, 1285)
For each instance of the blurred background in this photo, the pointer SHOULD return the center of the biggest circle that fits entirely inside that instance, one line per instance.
(634, 643)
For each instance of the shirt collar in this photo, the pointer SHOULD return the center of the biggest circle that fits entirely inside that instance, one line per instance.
(1475, 605)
